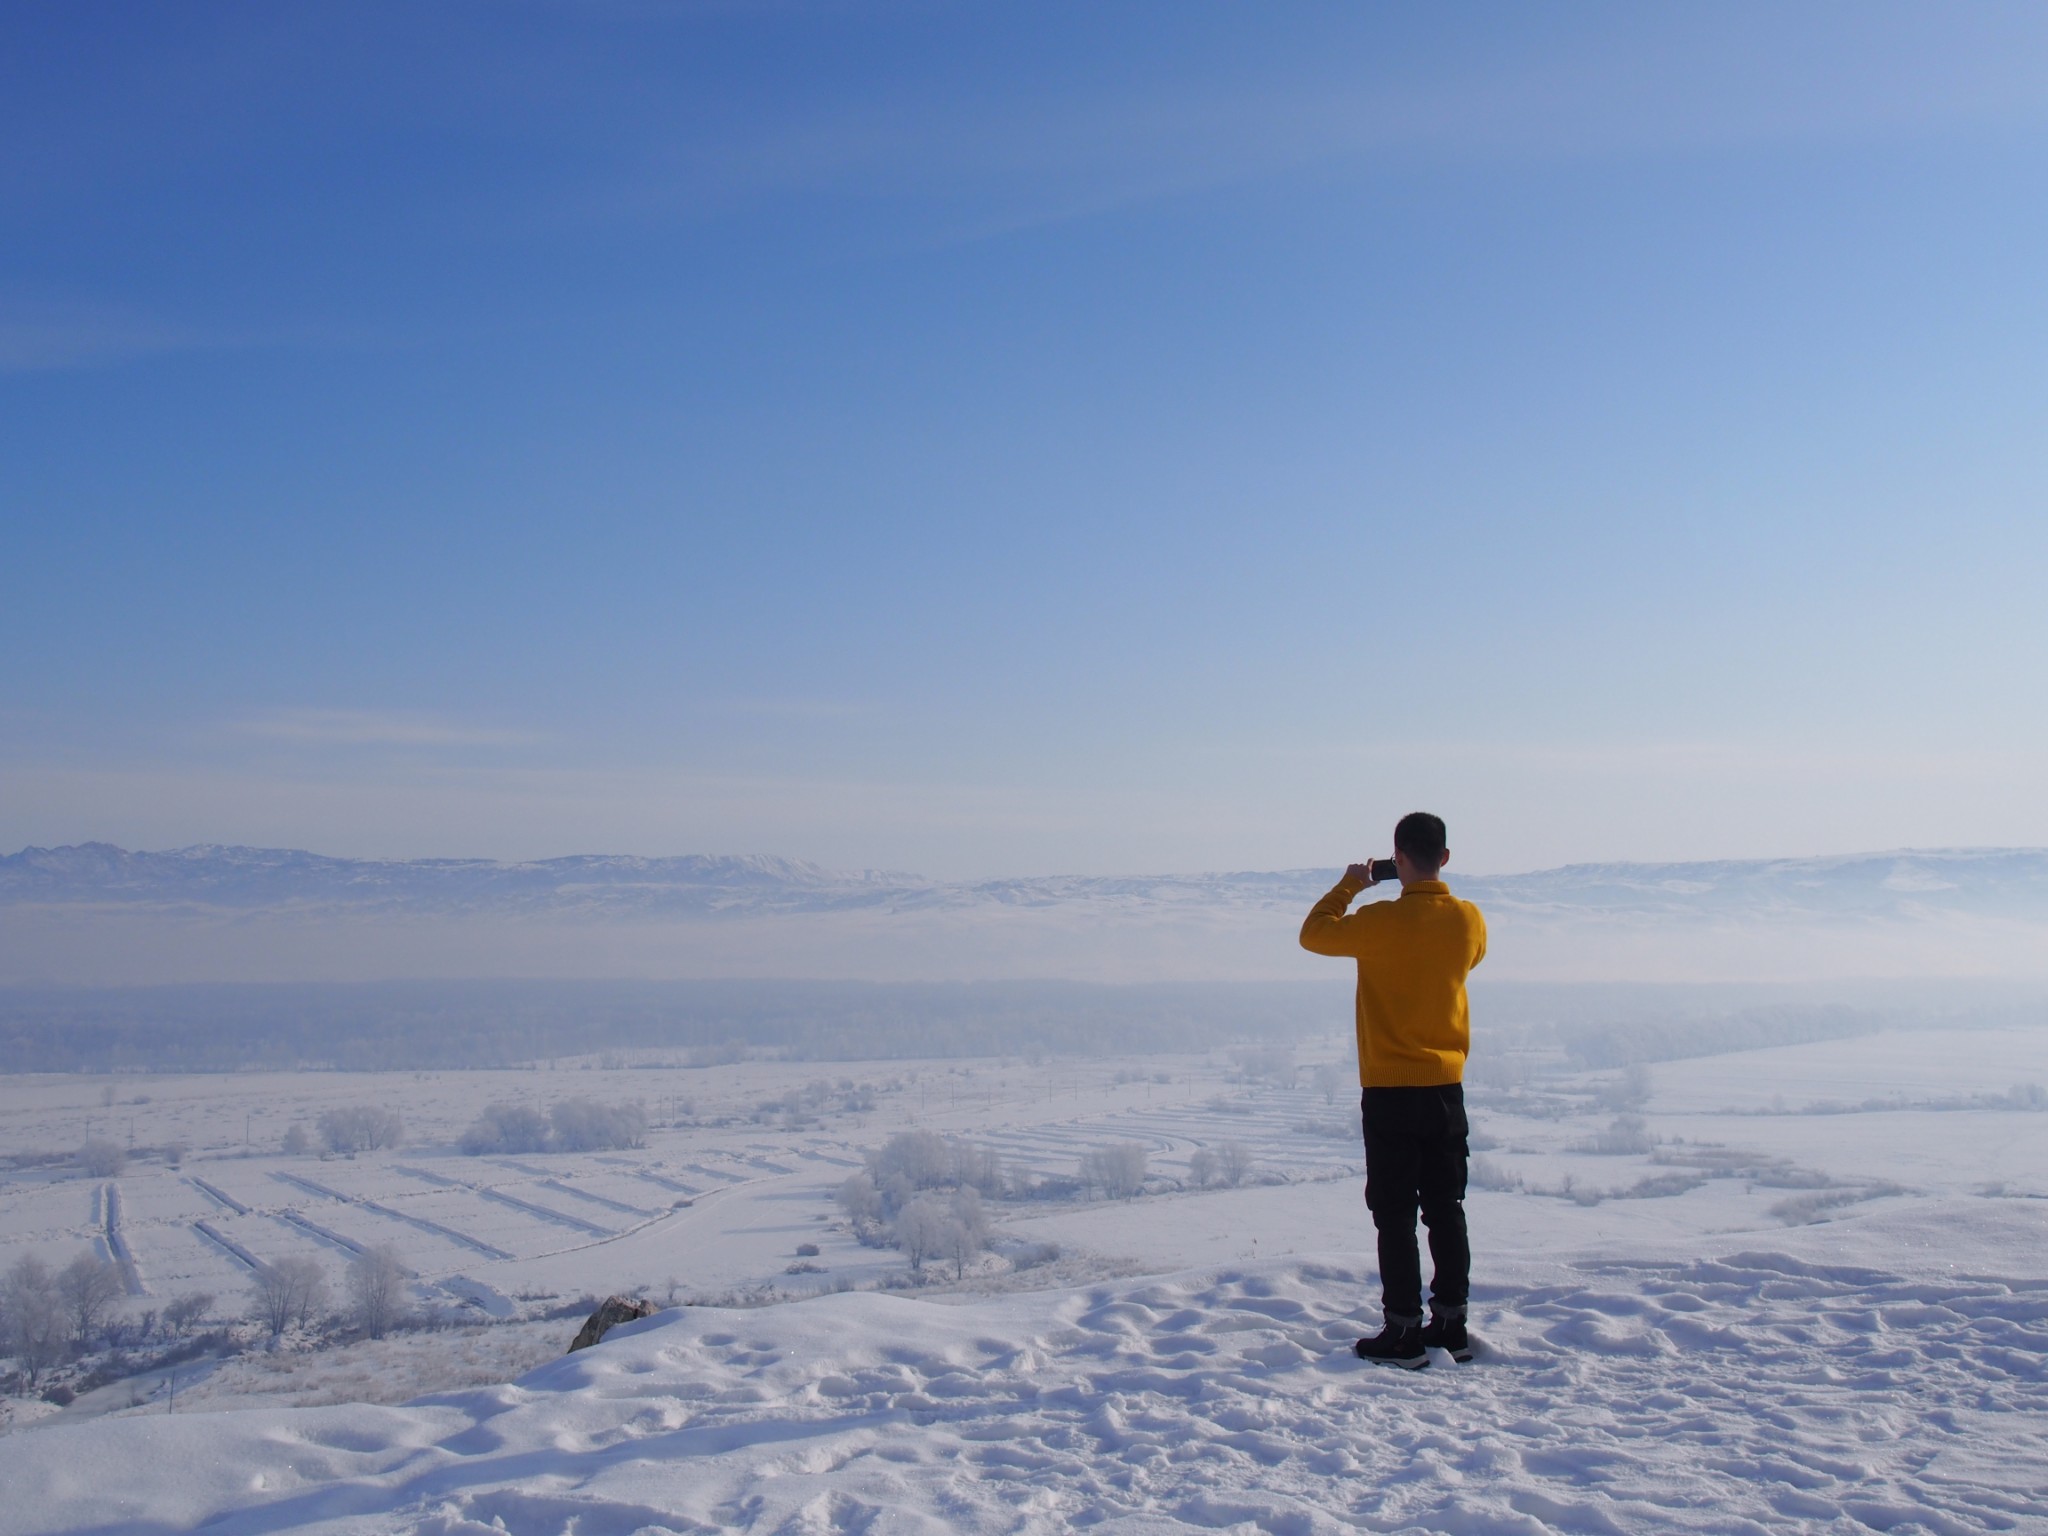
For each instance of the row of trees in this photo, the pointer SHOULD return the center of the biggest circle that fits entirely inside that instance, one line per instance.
(923, 1192)
(571, 1125)
(46, 1313)
(293, 1291)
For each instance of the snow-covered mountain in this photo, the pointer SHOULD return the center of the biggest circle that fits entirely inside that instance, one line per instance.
(96, 913)
(2010, 882)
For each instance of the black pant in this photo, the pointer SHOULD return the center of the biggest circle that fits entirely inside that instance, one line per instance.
(1415, 1152)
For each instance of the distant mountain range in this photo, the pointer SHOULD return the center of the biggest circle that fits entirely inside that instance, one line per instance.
(2006, 882)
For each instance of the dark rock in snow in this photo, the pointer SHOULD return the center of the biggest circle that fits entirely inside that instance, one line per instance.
(611, 1312)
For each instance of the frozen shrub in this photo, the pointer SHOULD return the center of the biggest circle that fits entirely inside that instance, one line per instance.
(506, 1128)
(1202, 1167)
(296, 1142)
(1629, 1090)
(807, 1250)
(360, 1128)
(1032, 1255)
(585, 1125)
(1627, 1135)
(1485, 1173)
(1267, 1064)
(1234, 1162)
(102, 1159)
(186, 1310)
(1118, 1171)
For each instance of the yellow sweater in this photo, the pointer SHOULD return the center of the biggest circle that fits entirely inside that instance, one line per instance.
(1413, 954)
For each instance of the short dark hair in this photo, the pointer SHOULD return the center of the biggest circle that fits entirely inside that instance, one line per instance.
(1421, 836)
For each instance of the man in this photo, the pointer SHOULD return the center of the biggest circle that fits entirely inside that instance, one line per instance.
(1414, 1030)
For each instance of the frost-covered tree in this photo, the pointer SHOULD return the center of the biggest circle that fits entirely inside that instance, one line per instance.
(923, 1160)
(585, 1125)
(921, 1228)
(376, 1290)
(506, 1128)
(296, 1142)
(1331, 1079)
(1202, 1167)
(290, 1291)
(1118, 1171)
(860, 1200)
(88, 1287)
(957, 1246)
(32, 1314)
(1234, 1162)
(967, 1209)
(102, 1159)
(360, 1128)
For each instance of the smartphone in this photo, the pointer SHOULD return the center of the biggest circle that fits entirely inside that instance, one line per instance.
(1383, 869)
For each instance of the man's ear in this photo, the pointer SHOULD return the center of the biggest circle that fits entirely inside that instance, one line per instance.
(1445, 860)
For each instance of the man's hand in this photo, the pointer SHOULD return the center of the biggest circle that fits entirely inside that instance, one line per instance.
(1359, 875)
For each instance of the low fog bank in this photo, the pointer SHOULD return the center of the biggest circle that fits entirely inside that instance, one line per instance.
(420, 1025)
(372, 1026)
(94, 915)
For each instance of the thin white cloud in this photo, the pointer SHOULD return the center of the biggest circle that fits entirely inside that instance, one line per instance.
(1623, 82)
(362, 727)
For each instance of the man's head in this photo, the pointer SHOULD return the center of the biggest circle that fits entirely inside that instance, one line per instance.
(1420, 851)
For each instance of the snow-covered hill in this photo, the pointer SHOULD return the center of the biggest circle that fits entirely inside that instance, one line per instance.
(1745, 1393)
(96, 913)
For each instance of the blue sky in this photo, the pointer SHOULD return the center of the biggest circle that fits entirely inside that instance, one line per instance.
(1024, 438)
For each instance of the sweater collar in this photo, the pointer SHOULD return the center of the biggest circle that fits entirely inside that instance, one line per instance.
(1426, 888)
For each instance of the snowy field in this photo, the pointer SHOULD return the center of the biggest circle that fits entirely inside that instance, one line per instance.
(1797, 1288)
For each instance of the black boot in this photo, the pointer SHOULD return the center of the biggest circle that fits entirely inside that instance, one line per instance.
(1396, 1344)
(1448, 1334)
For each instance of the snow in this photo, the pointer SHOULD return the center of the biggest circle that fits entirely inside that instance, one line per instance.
(1830, 1314)
(1756, 1391)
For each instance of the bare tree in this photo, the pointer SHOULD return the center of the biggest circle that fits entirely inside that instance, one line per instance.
(102, 1159)
(34, 1316)
(1202, 1167)
(1234, 1162)
(88, 1287)
(289, 1291)
(186, 1310)
(376, 1289)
